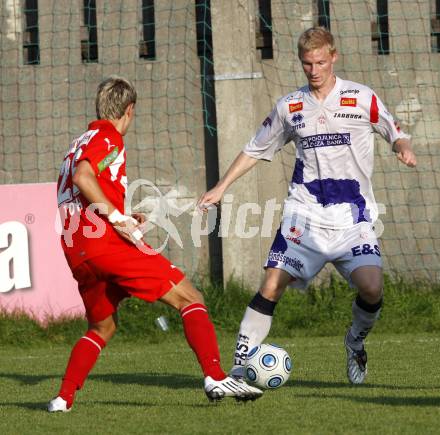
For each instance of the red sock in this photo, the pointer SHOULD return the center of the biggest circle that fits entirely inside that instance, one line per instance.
(200, 334)
(82, 359)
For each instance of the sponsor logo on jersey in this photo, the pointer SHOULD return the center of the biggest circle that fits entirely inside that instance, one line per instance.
(298, 126)
(294, 234)
(288, 261)
(267, 122)
(351, 102)
(297, 121)
(108, 159)
(290, 98)
(349, 91)
(297, 118)
(109, 145)
(347, 115)
(325, 140)
(296, 107)
(365, 249)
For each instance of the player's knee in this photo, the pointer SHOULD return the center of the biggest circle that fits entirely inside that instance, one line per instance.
(105, 330)
(182, 295)
(371, 292)
(194, 296)
(272, 290)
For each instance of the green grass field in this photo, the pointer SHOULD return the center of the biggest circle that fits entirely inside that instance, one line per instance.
(157, 388)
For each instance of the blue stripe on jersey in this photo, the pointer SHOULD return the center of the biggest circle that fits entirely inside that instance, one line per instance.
(329, 192)
(298, 172)
(279, 245)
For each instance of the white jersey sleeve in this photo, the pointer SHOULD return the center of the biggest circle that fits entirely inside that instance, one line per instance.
(270, 137)
(383, 122)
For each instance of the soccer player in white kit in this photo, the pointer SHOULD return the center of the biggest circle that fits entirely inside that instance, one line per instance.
(330, 210)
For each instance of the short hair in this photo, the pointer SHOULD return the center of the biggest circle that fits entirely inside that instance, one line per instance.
(316, 37)
(113, 97)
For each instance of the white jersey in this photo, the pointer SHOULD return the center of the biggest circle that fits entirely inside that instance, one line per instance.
(331, 183)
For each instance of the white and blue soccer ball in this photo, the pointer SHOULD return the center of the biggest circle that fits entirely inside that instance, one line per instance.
(268, 366)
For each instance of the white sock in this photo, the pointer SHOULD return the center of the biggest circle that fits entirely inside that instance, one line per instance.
(254, 328)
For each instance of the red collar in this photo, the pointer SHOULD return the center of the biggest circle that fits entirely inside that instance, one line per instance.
(103, 124)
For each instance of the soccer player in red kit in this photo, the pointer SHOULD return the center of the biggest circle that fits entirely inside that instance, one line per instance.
(110, 261)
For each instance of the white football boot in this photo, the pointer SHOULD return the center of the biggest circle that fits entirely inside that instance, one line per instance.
(237, 372)
(229, 387)
(356, 364)
(58, 405)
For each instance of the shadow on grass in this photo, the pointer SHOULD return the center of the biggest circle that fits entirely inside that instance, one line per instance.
(292, 383)
(140, 404)
(380, 400)
(172, 380)
(181, 381)
(28, 379)
(33, 406)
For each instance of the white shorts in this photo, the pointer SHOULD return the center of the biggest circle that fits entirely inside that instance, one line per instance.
(302, 251)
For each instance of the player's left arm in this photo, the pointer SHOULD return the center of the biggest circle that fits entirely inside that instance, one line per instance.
(383, 123)
(402, 148)
(85, 180)
(140, 217)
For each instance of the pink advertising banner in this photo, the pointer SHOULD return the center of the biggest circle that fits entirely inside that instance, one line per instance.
(34, 276)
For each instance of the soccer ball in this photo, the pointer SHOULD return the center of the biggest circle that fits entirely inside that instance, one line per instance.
(268, 366)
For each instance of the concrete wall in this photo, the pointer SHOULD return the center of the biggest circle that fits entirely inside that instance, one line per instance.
(43, 107)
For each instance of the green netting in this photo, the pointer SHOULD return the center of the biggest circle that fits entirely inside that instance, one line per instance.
(44, 106)
(173, 140)
(391, 46)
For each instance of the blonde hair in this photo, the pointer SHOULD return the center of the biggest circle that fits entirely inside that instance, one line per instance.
(316, 37)
(113, 97)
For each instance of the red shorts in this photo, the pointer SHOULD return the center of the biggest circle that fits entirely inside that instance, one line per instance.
(105, 280)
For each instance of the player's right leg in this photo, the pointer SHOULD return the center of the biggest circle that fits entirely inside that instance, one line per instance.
(257, 319)
(294, 259)
(200, 334)
(82, 359)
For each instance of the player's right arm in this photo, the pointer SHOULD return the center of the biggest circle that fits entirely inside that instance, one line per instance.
(242, 164)
(269, 139)
(85, 180)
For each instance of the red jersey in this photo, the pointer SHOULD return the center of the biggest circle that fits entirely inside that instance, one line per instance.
(85, 233)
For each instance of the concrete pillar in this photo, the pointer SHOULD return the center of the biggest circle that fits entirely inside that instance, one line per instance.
(234, 55)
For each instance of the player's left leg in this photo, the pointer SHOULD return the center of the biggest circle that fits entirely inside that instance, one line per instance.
(366, 308)
(101, 299)
(200, 334)
(82, 359)
(358, 259)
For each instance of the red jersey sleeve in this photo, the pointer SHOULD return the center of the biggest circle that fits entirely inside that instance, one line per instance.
(100, 153)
